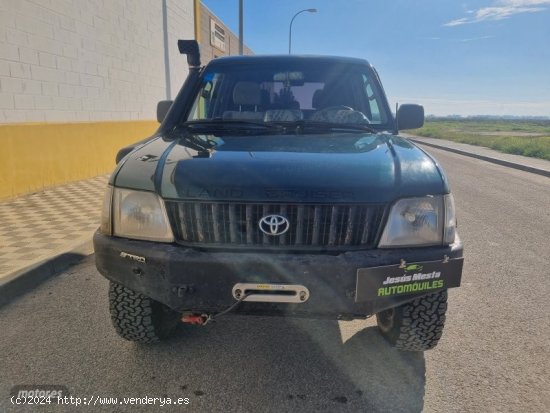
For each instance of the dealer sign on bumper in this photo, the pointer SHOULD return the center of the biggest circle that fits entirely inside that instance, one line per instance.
(409, 279)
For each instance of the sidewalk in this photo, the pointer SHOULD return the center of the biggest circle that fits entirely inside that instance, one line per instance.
(37, 229)
(534, 165)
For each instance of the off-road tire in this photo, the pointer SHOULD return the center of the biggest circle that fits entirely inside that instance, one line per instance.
(416, 325)
(140, 318)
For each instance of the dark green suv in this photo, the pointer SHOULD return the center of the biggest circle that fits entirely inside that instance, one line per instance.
(278, 185)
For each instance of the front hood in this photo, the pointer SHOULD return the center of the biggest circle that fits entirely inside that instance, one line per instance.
(324, 168)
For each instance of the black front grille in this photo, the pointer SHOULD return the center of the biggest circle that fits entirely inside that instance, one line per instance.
(311, 226)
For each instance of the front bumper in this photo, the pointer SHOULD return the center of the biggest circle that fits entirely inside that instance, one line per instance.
(187, 279)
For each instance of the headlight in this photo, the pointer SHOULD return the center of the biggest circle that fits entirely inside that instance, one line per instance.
(140, 215)
(422, 221)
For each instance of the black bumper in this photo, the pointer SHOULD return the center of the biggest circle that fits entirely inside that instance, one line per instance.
(187, 279)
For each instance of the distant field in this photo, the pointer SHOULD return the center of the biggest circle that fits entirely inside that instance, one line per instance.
(521, 137)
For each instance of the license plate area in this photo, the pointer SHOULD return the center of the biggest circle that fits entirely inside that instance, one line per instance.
(271, 293)
(414, 278)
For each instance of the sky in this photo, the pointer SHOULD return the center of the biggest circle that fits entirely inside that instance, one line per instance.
(482, 57)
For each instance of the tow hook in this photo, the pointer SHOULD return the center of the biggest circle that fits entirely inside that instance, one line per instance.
(204, 319)
(194, 319)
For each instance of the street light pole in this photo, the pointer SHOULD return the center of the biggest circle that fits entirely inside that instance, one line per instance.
(241, 27)
(290, 29)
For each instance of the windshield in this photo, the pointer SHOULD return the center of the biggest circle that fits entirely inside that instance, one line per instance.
(336, 93)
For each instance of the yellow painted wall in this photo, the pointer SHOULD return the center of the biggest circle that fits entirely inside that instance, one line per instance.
(35, 156)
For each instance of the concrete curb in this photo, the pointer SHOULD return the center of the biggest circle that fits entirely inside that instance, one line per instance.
(502, 162)
(22, 280)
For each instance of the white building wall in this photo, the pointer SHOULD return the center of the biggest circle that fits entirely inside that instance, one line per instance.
(180, 13)
(88, 60)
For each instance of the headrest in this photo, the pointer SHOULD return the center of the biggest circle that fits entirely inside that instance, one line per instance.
(247, 93)
(317, 99)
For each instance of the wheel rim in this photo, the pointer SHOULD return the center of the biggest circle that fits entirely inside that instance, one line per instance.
(385, 319)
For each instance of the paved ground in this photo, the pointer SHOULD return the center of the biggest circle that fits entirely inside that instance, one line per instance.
(49, 222)
(494, 355)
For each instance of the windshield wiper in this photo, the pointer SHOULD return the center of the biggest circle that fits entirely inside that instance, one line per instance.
(219, 124)
(197, 142)
(308, 125)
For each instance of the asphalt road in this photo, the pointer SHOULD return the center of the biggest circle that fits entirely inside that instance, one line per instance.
(494, 355)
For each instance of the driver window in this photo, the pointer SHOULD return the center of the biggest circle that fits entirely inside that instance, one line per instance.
(372, 101)
(206, 100)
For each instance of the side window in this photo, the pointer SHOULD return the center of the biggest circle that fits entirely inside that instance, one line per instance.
(372, 97)
(373, 103)
(206, 102)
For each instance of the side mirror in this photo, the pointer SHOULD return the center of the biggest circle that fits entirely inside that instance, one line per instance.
(162, 109)
(410, 116)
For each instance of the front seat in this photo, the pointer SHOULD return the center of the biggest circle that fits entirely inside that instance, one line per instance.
(247, 97)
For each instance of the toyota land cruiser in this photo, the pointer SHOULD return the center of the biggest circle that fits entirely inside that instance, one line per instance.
(278, 185)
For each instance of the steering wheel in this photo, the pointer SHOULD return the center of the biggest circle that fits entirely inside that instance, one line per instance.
(338, 107)
(323, 115)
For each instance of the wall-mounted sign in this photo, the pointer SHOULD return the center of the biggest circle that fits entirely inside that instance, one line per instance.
(217, 35)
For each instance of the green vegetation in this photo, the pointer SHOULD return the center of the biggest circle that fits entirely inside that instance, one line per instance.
(520, 137)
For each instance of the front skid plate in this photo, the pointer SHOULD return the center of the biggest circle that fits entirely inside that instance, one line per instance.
(407, 279)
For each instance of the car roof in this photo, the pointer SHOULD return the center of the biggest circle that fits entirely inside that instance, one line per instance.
(270, 59)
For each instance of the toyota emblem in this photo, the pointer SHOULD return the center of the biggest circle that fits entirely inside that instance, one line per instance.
(274, 225)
